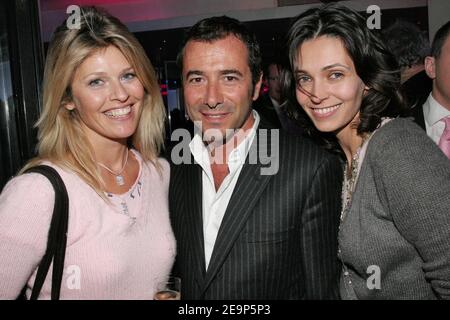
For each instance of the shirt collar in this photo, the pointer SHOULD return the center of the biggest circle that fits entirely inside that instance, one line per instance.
(274, 102)
(433, 111)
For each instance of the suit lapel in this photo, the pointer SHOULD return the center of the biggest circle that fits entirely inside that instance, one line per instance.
(248, 189)
(193, 188)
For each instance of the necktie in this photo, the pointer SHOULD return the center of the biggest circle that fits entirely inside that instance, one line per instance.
(444, 141)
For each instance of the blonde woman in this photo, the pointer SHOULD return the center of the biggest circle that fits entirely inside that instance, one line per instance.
(101, 128)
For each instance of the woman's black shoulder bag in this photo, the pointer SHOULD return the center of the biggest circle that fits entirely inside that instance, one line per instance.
(57, 236)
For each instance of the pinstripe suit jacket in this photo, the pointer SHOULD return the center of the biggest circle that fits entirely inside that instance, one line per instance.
(278, 237)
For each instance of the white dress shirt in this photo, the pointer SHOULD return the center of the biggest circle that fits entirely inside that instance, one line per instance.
(214, 203)
(433, 112)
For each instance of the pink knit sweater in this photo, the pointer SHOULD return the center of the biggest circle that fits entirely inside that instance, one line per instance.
(114, 251)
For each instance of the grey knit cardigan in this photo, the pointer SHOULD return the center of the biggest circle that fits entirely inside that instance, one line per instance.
(395, 239)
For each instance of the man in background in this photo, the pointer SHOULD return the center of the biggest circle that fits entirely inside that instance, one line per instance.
(272, 106)
(268, 104)
(434, 117)
(410, 46)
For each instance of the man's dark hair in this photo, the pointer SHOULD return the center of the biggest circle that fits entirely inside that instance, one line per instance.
(407, 42)
(276, 61)
(217, 28)
(439, 39)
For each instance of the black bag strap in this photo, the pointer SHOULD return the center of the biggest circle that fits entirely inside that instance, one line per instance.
(57, 235)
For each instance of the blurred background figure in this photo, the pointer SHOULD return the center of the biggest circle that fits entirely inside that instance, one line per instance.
(410, 46)
(435, 114)
(273, 81)
(272, 105)
(268, 104)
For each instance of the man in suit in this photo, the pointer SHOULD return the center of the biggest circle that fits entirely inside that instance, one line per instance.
(248, 228)
(436, 109)
(272, 106)
(268, 105)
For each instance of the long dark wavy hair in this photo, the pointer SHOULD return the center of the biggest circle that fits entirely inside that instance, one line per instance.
(374, 64)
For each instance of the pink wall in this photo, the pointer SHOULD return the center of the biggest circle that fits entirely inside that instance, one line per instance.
(53, 12)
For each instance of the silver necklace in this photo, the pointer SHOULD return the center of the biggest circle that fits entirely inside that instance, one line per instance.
(118, 176)
(349, 183)
(348, 186)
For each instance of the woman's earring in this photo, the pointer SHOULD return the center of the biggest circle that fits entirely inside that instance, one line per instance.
(69, 106)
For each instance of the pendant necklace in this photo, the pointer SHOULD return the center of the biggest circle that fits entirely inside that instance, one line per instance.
(118, 176)
(350, 178)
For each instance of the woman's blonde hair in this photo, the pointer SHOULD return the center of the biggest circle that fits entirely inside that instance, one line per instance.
(61, 139)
